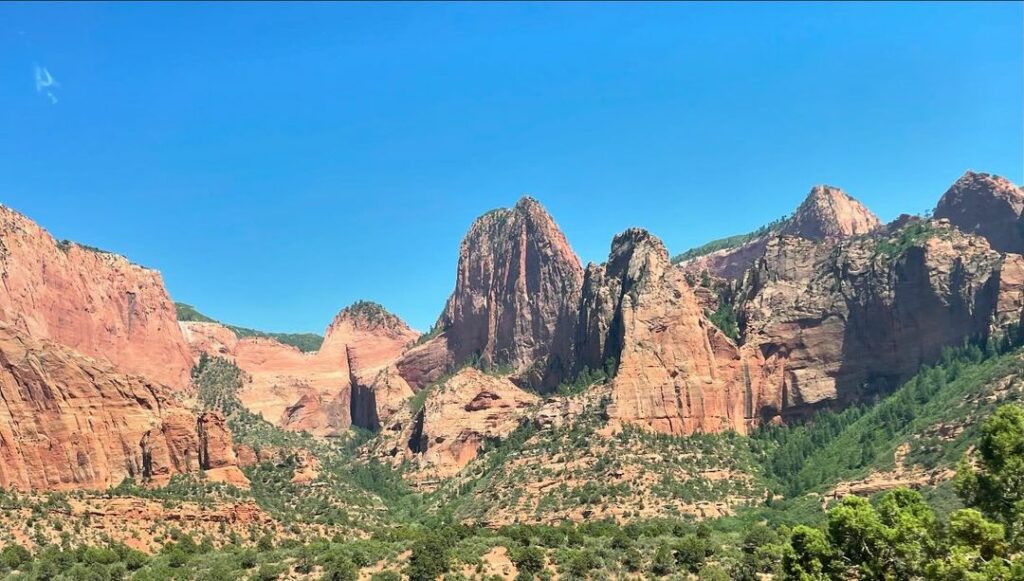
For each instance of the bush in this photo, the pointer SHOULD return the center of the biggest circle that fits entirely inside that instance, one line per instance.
(528, 560)
(429, 560)
(14, 556)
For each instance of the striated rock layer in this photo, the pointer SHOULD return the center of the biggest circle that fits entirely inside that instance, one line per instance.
(514, 303)
(95, 302)
(69, 421)
(986, 205)
(828, 213)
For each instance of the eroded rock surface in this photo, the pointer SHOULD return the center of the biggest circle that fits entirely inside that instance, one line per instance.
(676, 372)
(313, 392)
(455, 420)
(70, 421)
(828, 213)
(514, 303)
(832, 324)
(95, 302)
(987, 205)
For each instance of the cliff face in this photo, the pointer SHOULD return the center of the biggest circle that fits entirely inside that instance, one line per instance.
(986, 205)
(287, 387)
(97, 303)
(828, 213)
(677, 373)
(835, 324)
(322, 392)
(514, 304)
(69, 421)
(370, 339)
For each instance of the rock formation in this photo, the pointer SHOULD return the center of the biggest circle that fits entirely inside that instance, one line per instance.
(370, 339)
(514, 303)
(216, 450)
(456, 419)
(314, 392)
(284, 385)
(987, 205)
(70, 421)
(677, 373)
(832, 324)
(828, 213)
(95, 302)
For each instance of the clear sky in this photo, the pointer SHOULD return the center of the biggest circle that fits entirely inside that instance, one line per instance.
(279, 161)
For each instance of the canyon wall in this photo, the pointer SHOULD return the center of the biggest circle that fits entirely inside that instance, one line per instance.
(676, 372)
(324, 392)
(95, 302)
(69, 421)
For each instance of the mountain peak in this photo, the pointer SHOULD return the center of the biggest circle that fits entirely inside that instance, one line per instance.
(368, 316)
(828, 213)
(988, 205)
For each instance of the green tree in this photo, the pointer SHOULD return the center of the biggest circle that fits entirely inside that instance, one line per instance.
(14, 556)
(528, 560)
(430, 559)
(692, 551)
(809, 557)
(664, 561)
(997, 486)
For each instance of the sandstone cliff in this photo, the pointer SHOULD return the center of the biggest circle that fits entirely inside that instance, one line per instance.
(70, 421)
(987, 205)
(676, 372)
(95, 302)
(828, 213)
(370, 339)
(832, 324)
(321, 392)
(514, 303)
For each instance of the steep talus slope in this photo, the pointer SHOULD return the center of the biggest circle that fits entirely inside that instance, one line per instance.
(833, 324)
(676, 372)
(92, 301)
(514, 303)
(69, 421)
(987, 205)
(321, 392)
(828, 213)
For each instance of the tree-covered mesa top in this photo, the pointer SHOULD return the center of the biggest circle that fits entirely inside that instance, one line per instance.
(305, 342)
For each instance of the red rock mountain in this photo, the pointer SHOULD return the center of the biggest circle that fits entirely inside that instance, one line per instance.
(677, 372)
(70, 421)
(514, 303)
(321, 392)
(832, 324)
(828, 213)
(95, 302)
(987, 205)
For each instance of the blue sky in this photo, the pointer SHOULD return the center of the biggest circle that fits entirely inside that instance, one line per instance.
(279, 161)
